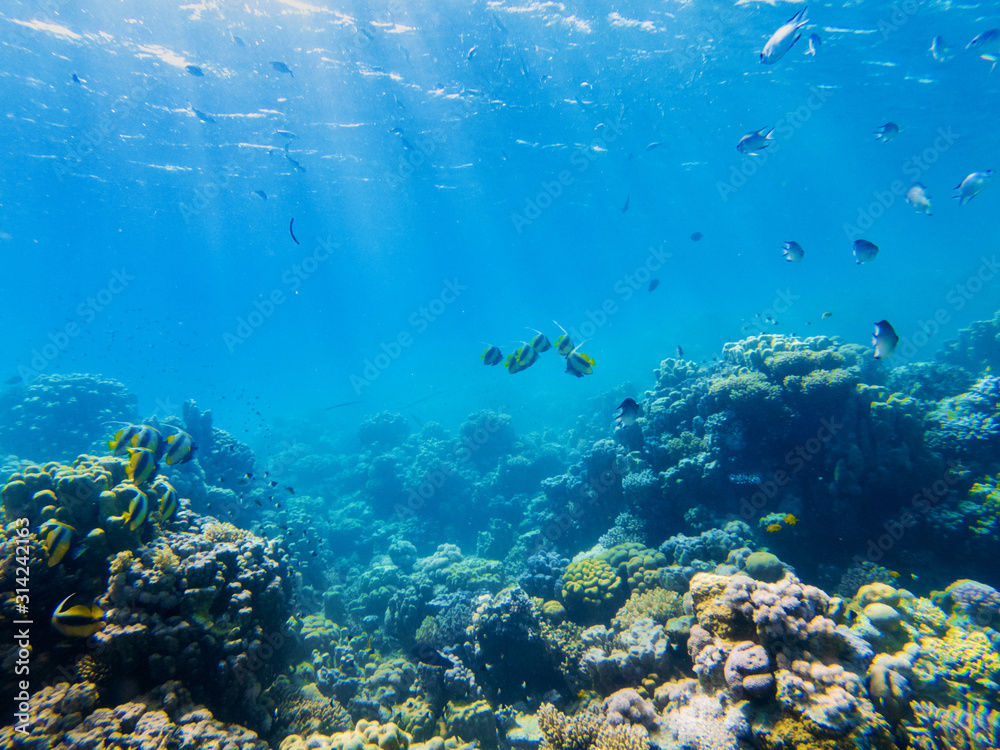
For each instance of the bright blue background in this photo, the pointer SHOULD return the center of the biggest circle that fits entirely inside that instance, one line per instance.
(94, 175)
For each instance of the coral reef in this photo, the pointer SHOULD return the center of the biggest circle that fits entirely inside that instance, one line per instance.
(57, 417)
(66, 716)
(976, 348)
(334, 607)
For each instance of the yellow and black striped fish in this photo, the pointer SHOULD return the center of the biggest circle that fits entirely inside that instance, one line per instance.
(168, 499)
(492, 356)
(180, 448)
(138, 508)
(135, 436)
(141, 465)
(78, 621)
(579, 364)
(58, 538)
(564, 344)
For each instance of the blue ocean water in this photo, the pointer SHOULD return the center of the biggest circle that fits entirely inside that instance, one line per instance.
(430, 140)
(312, 218)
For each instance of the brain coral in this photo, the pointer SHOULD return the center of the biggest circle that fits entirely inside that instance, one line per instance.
(590, 585)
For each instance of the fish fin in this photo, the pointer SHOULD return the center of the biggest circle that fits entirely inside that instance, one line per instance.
(797, 18)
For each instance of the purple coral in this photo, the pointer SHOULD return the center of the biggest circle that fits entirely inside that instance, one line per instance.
(779, 610)
(975, 596)
(544, 571)
(628, 707)
(748, 670)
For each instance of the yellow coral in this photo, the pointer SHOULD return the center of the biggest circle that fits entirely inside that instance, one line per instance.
(121, 562)
(657, 604)
(744, 391)
(415, 717)
(587, 730)
(366, 735)
(89, 669)
(877, 592)
(225, 532)
(590, 583)
(964, 656)
(166, 560)
(554, 611)
(781, 365)
(637, 564)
